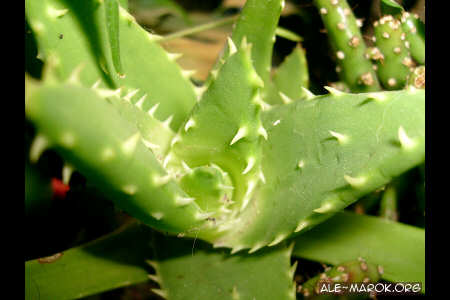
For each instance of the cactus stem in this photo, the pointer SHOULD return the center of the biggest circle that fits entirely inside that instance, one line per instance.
(242, 132)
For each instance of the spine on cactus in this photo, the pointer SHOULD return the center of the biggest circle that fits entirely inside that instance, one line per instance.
(346, 40)
(394, 61)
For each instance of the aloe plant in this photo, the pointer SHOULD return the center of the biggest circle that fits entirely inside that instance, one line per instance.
(245, 164)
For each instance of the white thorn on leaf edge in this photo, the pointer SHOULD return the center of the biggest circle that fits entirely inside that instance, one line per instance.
(286, 99)
(39, 145)
(355, 181)
(190, 123)
(242, 132)
(405, 141)
(333, 91)
(130, 95)
(130, 144)
(153, 109)
(250, 163)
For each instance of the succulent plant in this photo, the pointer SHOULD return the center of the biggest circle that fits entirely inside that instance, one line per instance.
(245, 160)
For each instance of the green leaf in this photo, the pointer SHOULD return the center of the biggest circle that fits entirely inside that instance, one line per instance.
(189, 269)
(319, 159)
(75, 34)
(113, 261)
(390, 7)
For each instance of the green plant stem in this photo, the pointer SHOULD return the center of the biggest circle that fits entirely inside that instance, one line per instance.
(388, 205)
